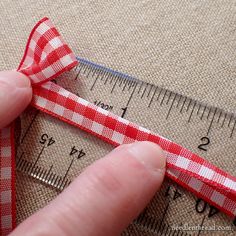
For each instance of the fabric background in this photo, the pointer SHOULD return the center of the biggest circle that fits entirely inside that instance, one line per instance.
(186, 46)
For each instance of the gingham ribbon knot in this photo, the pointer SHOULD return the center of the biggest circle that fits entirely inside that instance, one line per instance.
(46, 56)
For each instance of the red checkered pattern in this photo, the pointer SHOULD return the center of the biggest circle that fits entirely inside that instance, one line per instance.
(7, 194)
(46, 57)
(187, 169)
(46, 54)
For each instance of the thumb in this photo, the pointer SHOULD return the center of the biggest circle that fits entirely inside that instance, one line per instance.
(105, 198)
(15, 95)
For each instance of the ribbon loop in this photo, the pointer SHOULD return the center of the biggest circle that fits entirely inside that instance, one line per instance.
(46, 54)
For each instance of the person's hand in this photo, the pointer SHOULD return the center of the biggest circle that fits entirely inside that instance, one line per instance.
(106, 197)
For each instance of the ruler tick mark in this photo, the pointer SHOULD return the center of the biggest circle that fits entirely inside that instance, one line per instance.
(144, 91)
(36, 161)
(163, 216)
(189, 119)
(170, 94)
(203, 219)
(209, 128)
(182, 107)
(114, 85)
(125, 86)
(30, 125)
(190, 101)
(218, 120)
(203, 112)
(171, 106)
(223, 122)
(232, 131)
(163, 98)
(152, 97)
(150, 90)
(140, 87)
(199, 107)
(180, 97)
(20, 158)
(230, 120)
(94, 82)
(208, 115)
(131, 94)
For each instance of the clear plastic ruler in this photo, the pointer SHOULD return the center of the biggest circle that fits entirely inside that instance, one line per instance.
(51, 153)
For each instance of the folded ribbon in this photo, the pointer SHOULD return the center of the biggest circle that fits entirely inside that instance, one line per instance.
(47, 56)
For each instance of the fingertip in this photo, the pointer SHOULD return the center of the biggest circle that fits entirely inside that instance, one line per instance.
(15, 95)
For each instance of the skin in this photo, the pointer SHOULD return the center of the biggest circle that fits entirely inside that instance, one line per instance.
(106, 197)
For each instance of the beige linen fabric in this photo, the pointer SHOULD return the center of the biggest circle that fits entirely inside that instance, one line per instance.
(184, 45)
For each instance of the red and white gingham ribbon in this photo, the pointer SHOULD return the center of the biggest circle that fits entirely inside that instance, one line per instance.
(46, 57)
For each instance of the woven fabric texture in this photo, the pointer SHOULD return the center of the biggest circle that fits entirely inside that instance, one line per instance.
(185, 46)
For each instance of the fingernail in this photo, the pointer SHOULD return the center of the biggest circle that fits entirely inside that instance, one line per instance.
(149, 154)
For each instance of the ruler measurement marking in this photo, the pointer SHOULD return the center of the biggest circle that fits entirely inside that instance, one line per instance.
(42, 174)
(163, 215)
(199, 107)
(154, 93)
(203, 112)
(209, 128)
(203, 219)
(168, 99)
(48, 172)
(30, 125)
(20, 163)
(95, 81)
(159, 95)
(218, 120)
(163, 98)
(223, 121)
(144, 90)
(25, 166)
(182, 107)
(114, 85)
(151, 86)
(107, 78)
(168, 113)
(130, 85)
(89, 71)
(232, 131)
(36, 161)
(230, 120)
(110, 78)
(131, 94)
(51, 178)
(78, 73)
(126, 82)
(189, 119)
(209, 112)
(121, 81)
(141, 85)
(190, 101)
(20, 158)
(180, 97)
(68, 169)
